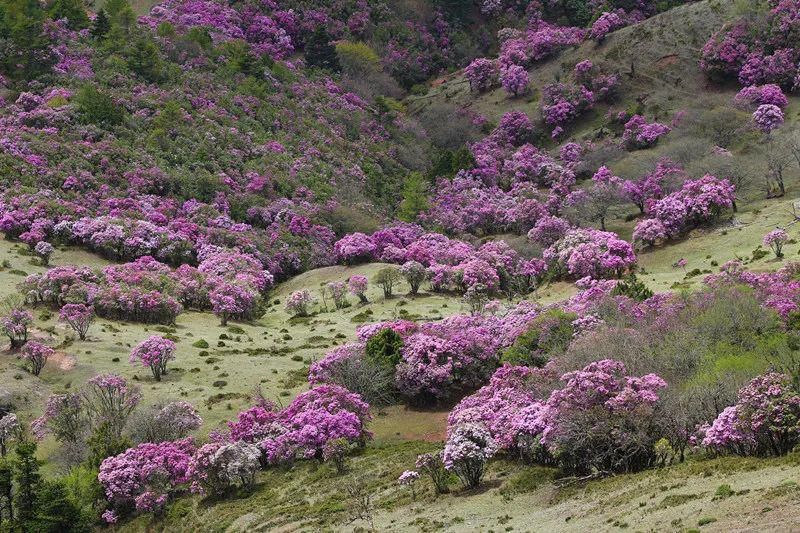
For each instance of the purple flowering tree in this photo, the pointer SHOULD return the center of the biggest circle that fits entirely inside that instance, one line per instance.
(35, 355)
(15, 327)
(79, 317)
(154, 353)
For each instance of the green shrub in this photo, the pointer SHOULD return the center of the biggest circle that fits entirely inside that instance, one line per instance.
(95, 107)
(549, 333)
(384, 347)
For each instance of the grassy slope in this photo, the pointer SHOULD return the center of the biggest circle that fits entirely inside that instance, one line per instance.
(762, 496)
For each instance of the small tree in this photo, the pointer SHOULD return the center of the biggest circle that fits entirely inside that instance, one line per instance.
(415, 198)
(79, 317)
(468, 449)
(319, 51)
(414, 273)
(155, 353)
(334, 451)
(36, 355)
(101, 25)
(55, 510)
(299, 302)
(431, 465)
(15, 327)
(27, 479)
(338, 291)
(44, 250)
(775, 239)
(358, 287)
(386, 279)
(9, 428)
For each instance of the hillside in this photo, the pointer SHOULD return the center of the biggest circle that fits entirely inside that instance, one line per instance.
(406, 265)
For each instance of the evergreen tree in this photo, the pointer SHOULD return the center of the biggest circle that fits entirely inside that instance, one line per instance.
(27, 479)
(145, 60)
(105, 442)
(95, 107)
(121, 15)
(414, 197)
(101, 25)
(27, 54)
(55, 512)
(320, 52)
(6, 491)
(72, 10)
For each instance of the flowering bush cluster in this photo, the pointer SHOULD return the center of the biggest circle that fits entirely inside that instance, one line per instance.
(145, 290)
(144, 477)
(757, 50)
(77, 316)
(641, 134)
(757, 95)
(299, 302)
(482, 74)
(605, 24)
(301, 430)
(697, 202)
(563, 102)
(764, 421)
(155, 353)
(768, 117)
(588, 252)
(778, 290)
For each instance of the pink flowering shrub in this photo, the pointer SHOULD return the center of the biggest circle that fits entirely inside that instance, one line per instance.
(77, 316)
(143, 478)
(35, 355)
(357, 285)
(764, 421)
(299, 302)
(230, 300)
(469, 447)
(155, 353)
(698, 202)
(756, 50)
(756, 95)
(778, 290)
(640, 134)
(15, 327)
(515, 80)
(605, 24)
(768, 117)
(495, 405)
(354, 248)
(649, 232)
(44, 250)
(482, 74)
(775, 239)
(548, 230)
(653, 185)
(64, 417)
(110, 400)
(588, 252)
(600, 421)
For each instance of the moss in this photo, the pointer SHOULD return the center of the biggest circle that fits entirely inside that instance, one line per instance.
(200, 343)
